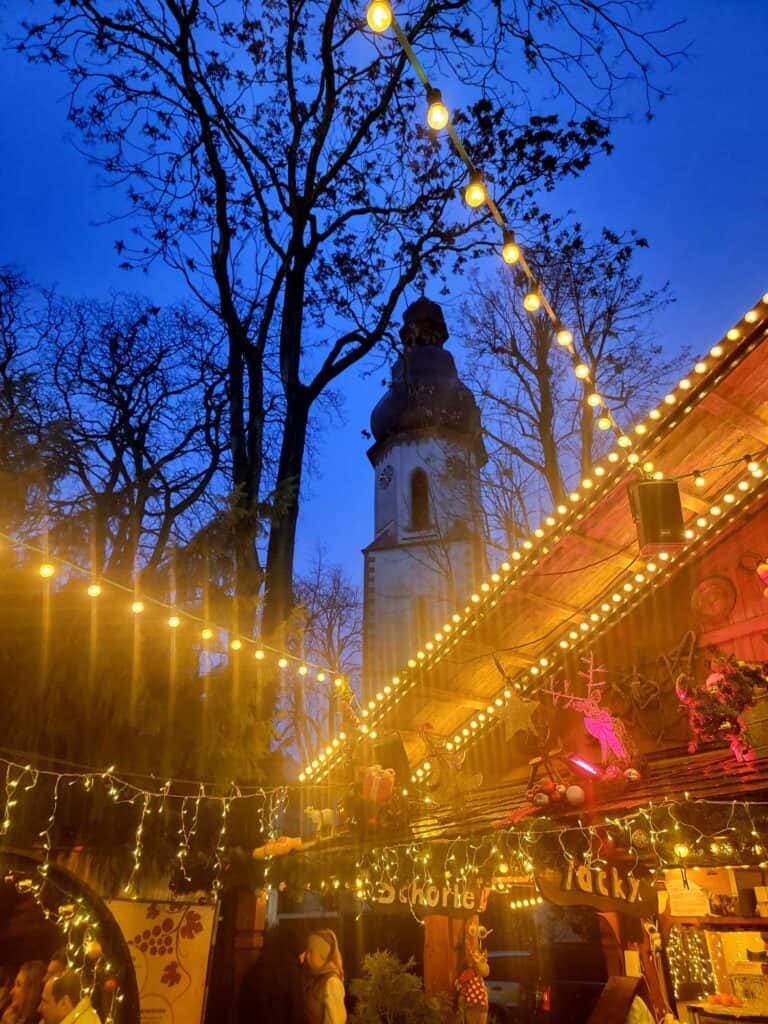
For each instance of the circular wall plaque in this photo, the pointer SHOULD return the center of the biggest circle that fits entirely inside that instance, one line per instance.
(713, 599)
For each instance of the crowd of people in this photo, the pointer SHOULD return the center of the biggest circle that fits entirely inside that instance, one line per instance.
(37, 993)
(303, 989)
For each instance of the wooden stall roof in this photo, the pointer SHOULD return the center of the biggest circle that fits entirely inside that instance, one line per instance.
(550, 592)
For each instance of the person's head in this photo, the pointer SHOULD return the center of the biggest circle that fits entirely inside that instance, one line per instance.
(322, 953)
(61, 994)
(25, 993)
(57, 964)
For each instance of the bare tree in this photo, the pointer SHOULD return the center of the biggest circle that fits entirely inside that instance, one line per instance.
(539, 424)
(29, 434)
(141, 403)
(273, 156)
(328, 619)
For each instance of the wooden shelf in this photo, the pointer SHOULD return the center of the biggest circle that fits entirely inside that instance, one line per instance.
(735, 923)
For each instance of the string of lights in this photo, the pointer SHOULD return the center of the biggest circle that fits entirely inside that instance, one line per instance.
(169, 789)
(614, 606)
(209, 635)
(380, 18)
(522, 562)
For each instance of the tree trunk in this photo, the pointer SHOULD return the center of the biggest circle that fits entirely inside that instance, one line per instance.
(278, 595)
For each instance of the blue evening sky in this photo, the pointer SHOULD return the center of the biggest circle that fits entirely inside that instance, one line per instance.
(693, 181)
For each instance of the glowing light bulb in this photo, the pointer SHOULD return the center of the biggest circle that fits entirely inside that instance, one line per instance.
(174, 621)
(94, 590)
(594, 399)
(581, 370)
(437, 112)
(510, 251)
(379, 16)
(474, 194)
(236, 644)
(698, 479)
(623, 442)
(46, 570)
(259, 654)
(282, 663)
(532, 299)
(206, 633)
(137, 607)
(604, 423)
(564, 337)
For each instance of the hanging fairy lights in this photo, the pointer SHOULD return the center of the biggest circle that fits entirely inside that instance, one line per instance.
(661, 419)
(80, 931)
(144, 801)
(443, 870)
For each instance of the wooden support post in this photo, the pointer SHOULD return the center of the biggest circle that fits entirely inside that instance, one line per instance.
(444, 954)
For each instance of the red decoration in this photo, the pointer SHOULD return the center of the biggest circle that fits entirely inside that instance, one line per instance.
(378, 784)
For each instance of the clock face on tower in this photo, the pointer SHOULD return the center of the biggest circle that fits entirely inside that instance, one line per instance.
(385, 477)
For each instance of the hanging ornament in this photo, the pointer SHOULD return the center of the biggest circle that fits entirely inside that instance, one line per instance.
(762, 574)
(640, 839)
(575, 796)
(606, 728)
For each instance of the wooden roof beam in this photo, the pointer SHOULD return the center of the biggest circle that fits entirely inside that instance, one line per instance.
(606, 550)
(546, 602)
(449, 697)
(728, 409)
(694, 503)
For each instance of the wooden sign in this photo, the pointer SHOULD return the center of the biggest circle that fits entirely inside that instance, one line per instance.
(610, 888)
(451, 901)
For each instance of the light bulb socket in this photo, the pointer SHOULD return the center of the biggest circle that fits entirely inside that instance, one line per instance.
(510, 250)
(475, 193)
(437, 112)
(532, 298)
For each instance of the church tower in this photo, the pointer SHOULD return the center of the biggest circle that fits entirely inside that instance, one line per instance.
(428, 550)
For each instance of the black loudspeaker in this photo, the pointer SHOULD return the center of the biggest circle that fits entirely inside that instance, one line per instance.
(658, 515)
(390, 753)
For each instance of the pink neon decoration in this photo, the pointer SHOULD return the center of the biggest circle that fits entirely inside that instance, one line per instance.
(579, 762)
